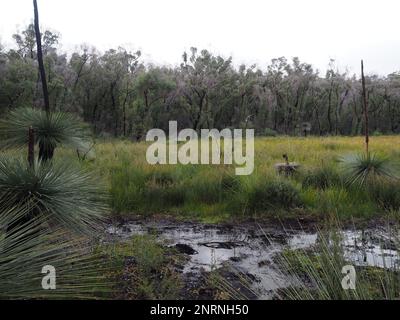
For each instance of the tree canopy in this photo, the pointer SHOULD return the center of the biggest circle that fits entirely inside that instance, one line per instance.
(118, 95)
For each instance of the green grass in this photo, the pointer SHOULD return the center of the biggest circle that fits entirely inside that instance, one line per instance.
(317, 273)
(143, 269)
(214, 193)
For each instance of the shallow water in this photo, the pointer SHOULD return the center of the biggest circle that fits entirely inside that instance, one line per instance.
(250, 250)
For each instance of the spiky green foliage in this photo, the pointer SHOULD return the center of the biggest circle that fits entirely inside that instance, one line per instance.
(33, 245)
(51, 131)
(65, 194)
(363, 168)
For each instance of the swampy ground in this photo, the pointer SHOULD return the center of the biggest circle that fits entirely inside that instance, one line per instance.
(201, 232)
(169, 259)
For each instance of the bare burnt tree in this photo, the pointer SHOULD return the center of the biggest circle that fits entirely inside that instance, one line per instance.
(40, 59)
(365, 102)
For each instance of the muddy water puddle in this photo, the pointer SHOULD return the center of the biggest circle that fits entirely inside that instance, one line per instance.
(250, 249)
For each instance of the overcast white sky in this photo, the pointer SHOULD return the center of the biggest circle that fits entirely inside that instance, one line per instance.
(251, 31)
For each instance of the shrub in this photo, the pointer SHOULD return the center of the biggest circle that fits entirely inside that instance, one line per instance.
(377, 133)
(268, 132)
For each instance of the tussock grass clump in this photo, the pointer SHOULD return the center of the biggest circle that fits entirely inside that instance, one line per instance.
(339, 201)
(274, 194)
(386, 194)
(204, 189)
(126, 187)
(212, 187)
(163, 178)
(146, 269)
(159, 197)
(230, 183)
(321, 178)
(331, 146)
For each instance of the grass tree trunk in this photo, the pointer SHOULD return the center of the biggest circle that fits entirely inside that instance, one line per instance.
(31, 147)
(46, 152)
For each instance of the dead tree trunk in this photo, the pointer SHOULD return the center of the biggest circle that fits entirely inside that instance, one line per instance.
(40, 59)
(365, 100)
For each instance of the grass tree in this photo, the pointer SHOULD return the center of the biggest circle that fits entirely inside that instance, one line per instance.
(367, 168)
(65, 195)
(42, 201)
(363, 169)
(50, 131)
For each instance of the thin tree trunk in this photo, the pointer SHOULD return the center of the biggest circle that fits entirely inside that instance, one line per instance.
(365, 100)
(40, 59)
(329, 108)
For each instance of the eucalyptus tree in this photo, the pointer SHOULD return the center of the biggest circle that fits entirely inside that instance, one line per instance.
(118, 95)
(252, 100)
(392, 102)
(115, 66)
(18, 82)
(338, 90)
(154, 90)
(290, 83)
(204, 78)
(26, 42)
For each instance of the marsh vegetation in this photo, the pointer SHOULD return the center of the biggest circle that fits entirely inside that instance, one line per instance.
(77, 193)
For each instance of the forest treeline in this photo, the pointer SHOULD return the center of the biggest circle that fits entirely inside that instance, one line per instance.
(121, 96)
